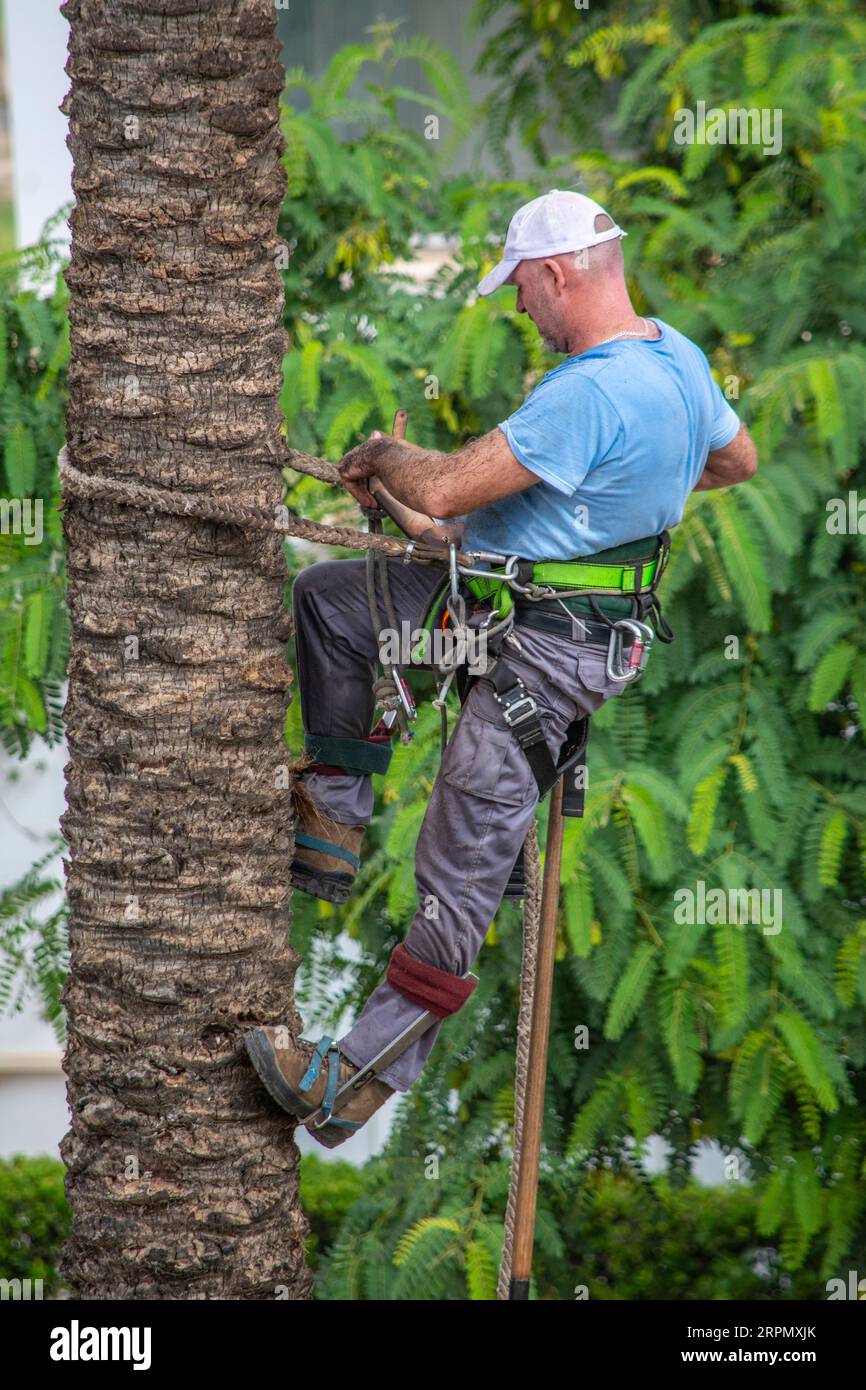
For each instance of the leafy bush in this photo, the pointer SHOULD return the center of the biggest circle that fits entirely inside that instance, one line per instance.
(328, 1190)
(34, 1220)
(603, 1235)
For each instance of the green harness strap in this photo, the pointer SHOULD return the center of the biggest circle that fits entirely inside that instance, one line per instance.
(630, 569)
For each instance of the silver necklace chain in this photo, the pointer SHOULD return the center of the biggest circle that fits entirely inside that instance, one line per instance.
(626, 333)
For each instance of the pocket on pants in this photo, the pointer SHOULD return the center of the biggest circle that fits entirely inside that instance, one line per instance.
(483, 757)
(592, 670)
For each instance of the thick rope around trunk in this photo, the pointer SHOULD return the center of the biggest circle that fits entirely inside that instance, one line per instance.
(198, 506)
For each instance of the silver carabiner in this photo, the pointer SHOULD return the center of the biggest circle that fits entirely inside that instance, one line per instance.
(441, 698)
(533, 591)
(618, 667)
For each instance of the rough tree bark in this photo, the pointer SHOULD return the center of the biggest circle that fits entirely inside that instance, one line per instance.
(183, 1178)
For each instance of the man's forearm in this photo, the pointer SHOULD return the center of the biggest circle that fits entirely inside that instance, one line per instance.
(445, 485)
(413, 476)
(734, 463)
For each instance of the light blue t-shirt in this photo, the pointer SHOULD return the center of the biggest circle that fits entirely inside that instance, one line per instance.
(618, 436)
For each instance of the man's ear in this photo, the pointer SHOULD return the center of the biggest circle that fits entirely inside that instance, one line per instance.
(554, 269)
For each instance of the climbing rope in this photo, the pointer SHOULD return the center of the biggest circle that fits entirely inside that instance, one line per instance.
(531, 925)
(200, 507)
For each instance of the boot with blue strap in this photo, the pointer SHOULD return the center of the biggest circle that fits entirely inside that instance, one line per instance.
(304, 1078)
(328, 852)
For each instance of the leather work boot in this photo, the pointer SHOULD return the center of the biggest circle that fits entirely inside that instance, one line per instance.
(297, 1074)
(327, 854)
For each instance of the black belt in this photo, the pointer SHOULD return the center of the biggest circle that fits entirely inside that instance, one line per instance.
(578, 627)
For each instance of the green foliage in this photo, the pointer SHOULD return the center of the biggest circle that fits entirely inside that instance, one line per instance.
(34, 349)
(33, 951)
(362, 340)
(328, 1190)
(34, 1220)
(355, 203)
(559, 70)
(602, 1234)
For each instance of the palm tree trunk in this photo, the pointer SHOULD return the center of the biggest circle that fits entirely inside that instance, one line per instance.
(182, 1176)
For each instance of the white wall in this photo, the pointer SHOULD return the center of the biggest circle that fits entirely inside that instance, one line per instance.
(36, 38)
(33, 1113)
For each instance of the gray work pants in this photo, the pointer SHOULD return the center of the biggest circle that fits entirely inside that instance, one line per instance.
(484, 796)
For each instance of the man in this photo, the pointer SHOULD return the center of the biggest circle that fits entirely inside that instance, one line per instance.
(604, 451)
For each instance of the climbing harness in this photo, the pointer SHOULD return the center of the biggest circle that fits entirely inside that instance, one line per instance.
(628, 574)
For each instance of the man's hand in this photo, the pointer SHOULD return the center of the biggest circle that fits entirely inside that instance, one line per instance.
(410, 521)
(735, 463)
(359, 464)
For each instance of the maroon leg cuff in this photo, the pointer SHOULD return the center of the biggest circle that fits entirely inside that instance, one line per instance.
(437, 990)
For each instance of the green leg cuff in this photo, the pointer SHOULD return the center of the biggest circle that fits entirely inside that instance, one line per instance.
(356, 756)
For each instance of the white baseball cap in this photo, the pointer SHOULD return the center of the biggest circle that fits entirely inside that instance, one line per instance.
(557, 222)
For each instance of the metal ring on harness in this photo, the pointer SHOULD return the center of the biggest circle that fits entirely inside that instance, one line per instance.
(532, 591)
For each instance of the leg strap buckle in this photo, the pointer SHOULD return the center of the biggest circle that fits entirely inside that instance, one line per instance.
(522, 702)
